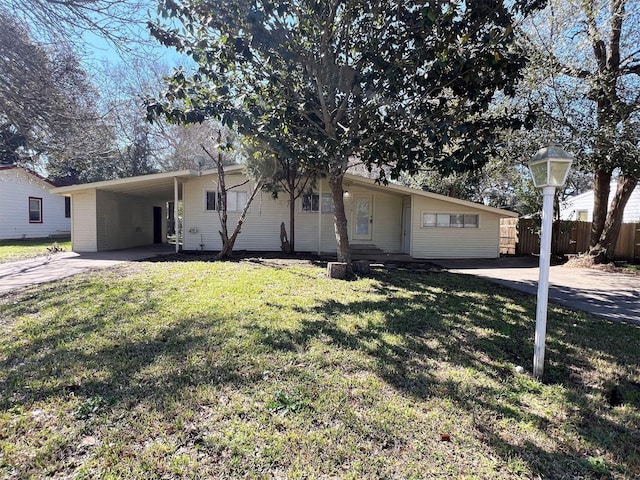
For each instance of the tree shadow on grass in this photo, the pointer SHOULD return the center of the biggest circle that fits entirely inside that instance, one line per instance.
(422, 320)
(443, 320)
(119, 367)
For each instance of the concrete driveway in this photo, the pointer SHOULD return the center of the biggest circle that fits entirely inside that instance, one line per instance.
(614, 296)
(23, 273)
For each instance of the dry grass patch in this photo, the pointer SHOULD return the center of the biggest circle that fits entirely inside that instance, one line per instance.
(234, 370)
(586, 261)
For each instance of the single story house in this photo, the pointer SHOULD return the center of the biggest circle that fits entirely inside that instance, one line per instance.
(28, 209)
(580, 207)
(133, 212)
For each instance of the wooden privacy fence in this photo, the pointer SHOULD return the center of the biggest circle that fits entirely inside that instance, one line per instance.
(521, 236)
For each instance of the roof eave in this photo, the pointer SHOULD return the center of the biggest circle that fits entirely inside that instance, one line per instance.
(121, 181)
(435, 196)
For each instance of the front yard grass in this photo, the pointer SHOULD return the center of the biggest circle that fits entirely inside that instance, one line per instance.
(11, 250)
(254, 370)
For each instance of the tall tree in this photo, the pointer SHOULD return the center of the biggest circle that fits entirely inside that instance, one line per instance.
(48, 108)
(587, 64)
(401, 84)
(68, 22)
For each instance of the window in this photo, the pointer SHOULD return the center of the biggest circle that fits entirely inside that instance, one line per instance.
(471, 221)
(35, 210)
(67, 207)
(583, 215)
(448, 220)
(313, 202)
(210, 200)
(235, 200)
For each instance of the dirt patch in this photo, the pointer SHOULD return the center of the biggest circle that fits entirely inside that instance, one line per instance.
(271, 258)
(278, 259)
(585, 261)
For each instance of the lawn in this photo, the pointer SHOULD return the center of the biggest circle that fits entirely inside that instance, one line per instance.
(252, 369)
(11, 250)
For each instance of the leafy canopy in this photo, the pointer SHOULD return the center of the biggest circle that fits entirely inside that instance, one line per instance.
(396, 84)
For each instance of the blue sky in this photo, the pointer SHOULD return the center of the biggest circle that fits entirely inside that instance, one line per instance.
(99, 50)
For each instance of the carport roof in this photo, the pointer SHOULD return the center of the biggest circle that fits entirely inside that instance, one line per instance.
(157, 185)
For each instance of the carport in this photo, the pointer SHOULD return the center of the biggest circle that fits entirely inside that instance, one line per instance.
(124, 213)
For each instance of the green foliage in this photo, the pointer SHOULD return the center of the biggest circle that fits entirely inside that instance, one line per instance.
(47, 103)
(285, 403)
(91, 406)
(400, 85)
(396, 84)
(597, 465)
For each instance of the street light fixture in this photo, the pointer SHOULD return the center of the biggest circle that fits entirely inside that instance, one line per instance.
(549, 168)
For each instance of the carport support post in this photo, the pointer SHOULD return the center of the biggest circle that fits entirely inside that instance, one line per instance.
(176, 224)
(548, 194)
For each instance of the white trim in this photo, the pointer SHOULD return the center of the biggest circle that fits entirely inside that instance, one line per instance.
(123, 181)
(319, 219)
(176, 223)
(390, 187)
(411, 191)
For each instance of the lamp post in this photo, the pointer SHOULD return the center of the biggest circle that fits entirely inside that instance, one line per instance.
(549, 168)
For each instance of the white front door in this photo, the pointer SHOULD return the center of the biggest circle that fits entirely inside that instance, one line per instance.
(362, 217)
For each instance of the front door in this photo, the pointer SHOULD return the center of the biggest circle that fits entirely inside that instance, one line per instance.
(362, 217)
(157, 224)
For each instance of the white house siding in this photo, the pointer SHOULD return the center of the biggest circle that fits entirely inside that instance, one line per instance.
(569, 209)
(260, 231)
(83, 234)
(124, 221)
(110, 220)
(387, 222)
(308, 223)
(442, 242)
(16, 186)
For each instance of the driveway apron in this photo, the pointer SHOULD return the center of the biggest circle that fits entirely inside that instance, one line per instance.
(17, 275)
(613, 296)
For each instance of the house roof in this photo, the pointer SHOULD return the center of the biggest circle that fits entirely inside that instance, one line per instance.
(28, 171)
(160, 185)
(589, 193)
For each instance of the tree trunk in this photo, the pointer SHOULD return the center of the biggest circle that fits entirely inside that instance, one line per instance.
(601, 186)
(227, 245)
(604, 249)
(340, 219)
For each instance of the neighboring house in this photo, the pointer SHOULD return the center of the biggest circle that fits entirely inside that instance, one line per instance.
(132, 212)
(28, 209)
(580, 207)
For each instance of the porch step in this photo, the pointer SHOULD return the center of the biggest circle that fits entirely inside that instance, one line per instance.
(362, 250)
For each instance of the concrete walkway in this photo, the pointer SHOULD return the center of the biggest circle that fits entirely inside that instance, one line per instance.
(23, 273)
(614, 296)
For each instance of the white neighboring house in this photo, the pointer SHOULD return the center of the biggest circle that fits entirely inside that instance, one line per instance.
(28, 209)
(580, 207)
(132, 212)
